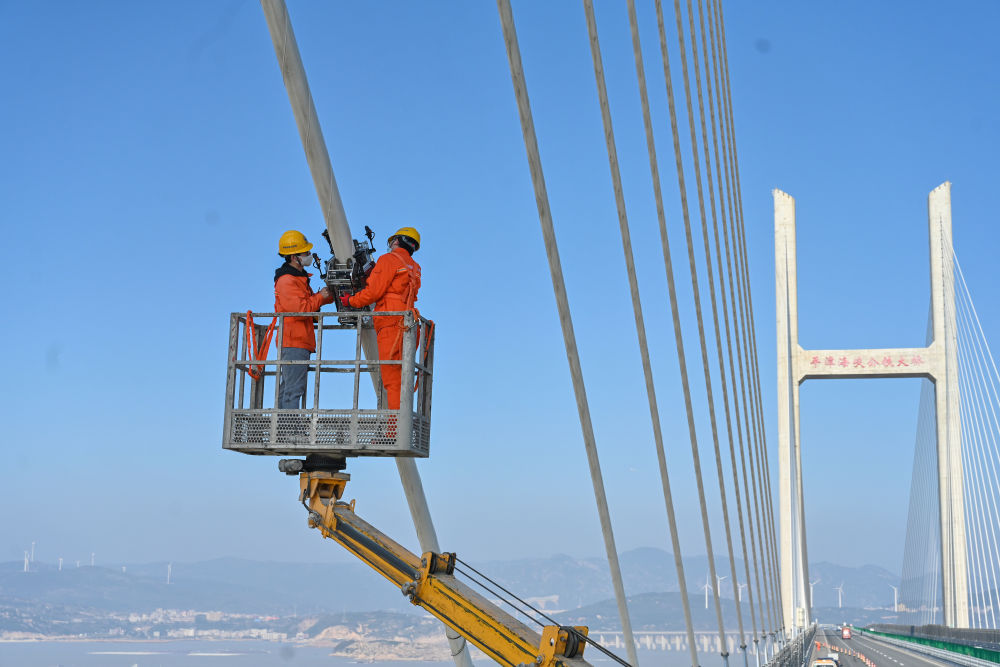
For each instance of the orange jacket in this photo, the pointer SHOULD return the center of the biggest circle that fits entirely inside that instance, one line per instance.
(292, 294)
(392, 285)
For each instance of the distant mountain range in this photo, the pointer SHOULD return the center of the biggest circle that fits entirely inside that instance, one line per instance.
(557, 584)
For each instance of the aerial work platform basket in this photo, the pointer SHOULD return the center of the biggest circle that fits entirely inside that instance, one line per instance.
(339, 415)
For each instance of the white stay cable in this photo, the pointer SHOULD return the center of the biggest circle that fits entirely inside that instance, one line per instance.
(761, 497)
(675, 315)
(971, 373)
(973, 553)
(565, 317)
(979, 326)
(711, 282)
(695, 455)
(769, 507)
(726, 197)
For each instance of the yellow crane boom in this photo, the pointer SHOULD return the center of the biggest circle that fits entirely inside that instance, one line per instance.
(428, 581)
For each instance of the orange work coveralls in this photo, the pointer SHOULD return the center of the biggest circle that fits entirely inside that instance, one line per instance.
(292, 294)
(392, 285)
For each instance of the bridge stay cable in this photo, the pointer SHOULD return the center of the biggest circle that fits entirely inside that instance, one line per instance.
(748, 322)
(679, 23)
(677, 12)
(633, 280)
(978, 408)
(763, 569)
(981, 410)
(708, 263)
(982, 508)
(736, 265)
(725, 187)
(973, 481)
(695, 288)
(565, 317)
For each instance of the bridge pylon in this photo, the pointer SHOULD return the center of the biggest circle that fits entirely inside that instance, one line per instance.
(938, 362)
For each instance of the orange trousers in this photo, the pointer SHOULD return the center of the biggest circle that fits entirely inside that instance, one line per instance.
(388, 338)
(390, 348)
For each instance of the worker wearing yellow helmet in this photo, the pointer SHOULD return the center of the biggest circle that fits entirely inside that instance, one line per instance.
(392, 285)
(293, 294)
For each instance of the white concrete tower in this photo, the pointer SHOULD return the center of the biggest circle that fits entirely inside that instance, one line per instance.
(937, 362)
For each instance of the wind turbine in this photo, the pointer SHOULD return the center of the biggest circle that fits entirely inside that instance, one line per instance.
(812, 584)
(26, 569)
(739, 588)
(840, 595)
(707, 587)
(718, 583)
(895, 597)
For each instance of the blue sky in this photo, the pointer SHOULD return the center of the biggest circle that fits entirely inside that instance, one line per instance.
(151, 161)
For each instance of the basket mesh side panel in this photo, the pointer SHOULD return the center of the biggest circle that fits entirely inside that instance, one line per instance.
(264, 432)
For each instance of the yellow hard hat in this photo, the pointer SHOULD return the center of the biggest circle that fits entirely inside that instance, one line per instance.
(293, 242)
(408, 232)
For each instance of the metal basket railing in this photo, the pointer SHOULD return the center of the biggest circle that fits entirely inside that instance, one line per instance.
(333, 417)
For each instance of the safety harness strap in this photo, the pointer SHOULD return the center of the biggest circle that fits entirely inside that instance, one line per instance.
(254, 352)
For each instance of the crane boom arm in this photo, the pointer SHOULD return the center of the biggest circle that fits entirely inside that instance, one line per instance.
(429, 582)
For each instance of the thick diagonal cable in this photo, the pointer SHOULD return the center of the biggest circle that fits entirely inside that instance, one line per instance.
(712, 291)
(754, 355)
(753, 498)
(729, 345)
(709, 270)
(695, 455)
(708, 36)
(749, 414)
(682, 48)
(749, 340)
(565, 317)
(678, 336)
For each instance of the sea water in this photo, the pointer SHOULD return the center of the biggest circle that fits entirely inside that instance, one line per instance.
(250, 654)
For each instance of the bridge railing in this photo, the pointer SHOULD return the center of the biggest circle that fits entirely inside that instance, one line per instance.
(796, 652)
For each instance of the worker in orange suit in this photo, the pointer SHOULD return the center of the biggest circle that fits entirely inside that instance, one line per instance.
(293, 294)
(392, 286)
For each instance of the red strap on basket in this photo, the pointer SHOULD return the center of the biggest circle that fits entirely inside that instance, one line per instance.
(255, 353)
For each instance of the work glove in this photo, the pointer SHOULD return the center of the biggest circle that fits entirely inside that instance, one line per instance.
(345, 300)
